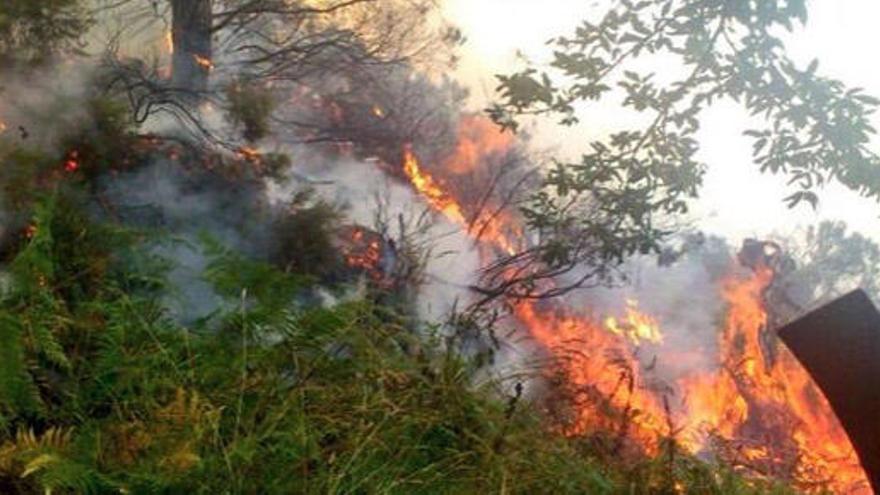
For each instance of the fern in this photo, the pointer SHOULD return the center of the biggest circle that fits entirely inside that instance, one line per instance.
(45, 460)
(267, 290)
(18, 393)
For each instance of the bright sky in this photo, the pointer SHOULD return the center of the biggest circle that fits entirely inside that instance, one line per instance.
(736, 199)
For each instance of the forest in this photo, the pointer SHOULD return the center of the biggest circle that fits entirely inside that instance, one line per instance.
(272, 246)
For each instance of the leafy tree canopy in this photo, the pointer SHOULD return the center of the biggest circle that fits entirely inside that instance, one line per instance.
(815, 129)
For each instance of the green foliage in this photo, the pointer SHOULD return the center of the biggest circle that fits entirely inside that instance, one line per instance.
(104, 140)
(20, 175)
(616, 200)
(33, 30)
(250, 106)
(245, 281)
(305, 233)
(828, 262)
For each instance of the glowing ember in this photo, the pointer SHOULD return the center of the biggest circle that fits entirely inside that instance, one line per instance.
(248, 154)
(204, 62)
(71, 164)
(363, 250)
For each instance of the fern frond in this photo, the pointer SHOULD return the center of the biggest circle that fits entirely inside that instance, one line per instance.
(18, 392)
(55, 438)
(38, 463)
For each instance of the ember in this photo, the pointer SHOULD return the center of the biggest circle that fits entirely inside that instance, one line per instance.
(367, 252)
(204, 62)
(71, 164)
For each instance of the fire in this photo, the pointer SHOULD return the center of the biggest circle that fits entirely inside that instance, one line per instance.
(169, 42)
(364, 251)
(636, 326)
(2, 127)
(71, 164)
(438, 198)
(367, 252)
(768, 413)
(581, 349)
(378, 112)
(248, 154)
(204, 62)
(755, 408)
(490, 229)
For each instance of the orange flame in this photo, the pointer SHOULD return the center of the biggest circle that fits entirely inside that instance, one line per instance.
(757, 399)
(581, 348)
(491, 228)
(636, 326)
(169, 42)
(248, 154)
(204, 62)
(438, 198)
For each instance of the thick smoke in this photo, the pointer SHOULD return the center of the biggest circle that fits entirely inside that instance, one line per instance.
(187, 204)
(374, 199)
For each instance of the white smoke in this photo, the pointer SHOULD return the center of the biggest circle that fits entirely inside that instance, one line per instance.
(366, 191)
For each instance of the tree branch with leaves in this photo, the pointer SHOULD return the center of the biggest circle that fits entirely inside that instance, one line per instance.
(629, 188)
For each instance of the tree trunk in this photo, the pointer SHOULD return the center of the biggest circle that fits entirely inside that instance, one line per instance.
(191, 34)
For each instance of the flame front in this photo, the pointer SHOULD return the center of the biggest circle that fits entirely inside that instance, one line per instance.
(757, 408)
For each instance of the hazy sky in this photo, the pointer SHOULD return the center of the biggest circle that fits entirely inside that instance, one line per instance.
(736, 200)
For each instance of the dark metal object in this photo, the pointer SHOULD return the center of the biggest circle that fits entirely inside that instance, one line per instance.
(839, 344)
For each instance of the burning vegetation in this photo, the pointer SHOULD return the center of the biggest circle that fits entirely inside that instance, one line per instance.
(757, 409)
(201, 290)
